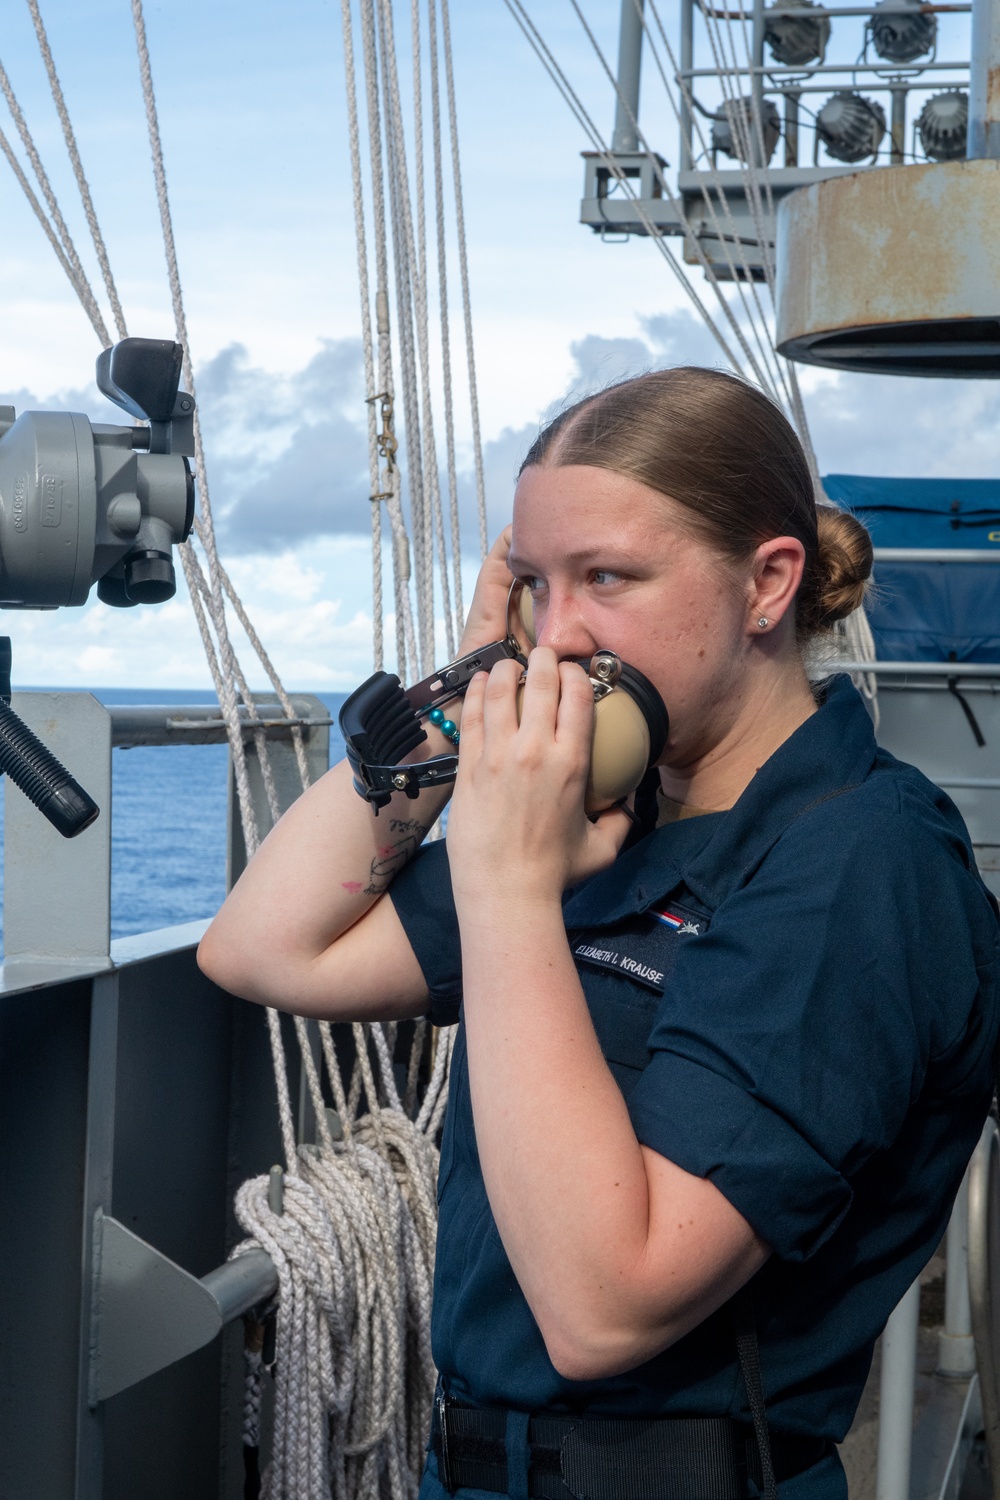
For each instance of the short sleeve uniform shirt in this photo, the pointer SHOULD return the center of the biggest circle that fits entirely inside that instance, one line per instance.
(798, 1000)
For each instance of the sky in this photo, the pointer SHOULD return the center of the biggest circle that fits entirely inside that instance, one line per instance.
(253, 120)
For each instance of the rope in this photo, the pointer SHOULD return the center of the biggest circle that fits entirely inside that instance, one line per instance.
(431, 480)
(354, 1251)
(405, 632)
(445, 332)
(731, 241)
(548, 61)
(78, 276)
(463, 266)
(42, 217)
(78, 172)
(690, 237)
(354, 139)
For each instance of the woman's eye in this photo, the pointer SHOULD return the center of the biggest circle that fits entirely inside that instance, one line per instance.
(533, 585)
(605, 576)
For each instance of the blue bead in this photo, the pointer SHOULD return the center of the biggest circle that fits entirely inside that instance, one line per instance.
(448, 728)
(436, 716)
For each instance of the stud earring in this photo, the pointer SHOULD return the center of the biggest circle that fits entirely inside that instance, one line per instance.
(763, 622)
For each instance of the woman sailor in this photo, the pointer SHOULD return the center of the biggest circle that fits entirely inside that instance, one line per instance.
(744, 1045)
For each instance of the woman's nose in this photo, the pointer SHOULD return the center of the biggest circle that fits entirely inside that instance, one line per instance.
(559, 626)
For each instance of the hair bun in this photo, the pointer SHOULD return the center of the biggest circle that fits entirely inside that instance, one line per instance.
(842, 567)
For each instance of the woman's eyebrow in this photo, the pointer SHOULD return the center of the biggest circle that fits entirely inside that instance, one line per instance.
(603, 552)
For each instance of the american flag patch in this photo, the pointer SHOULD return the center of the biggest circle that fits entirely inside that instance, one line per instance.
(672, 920)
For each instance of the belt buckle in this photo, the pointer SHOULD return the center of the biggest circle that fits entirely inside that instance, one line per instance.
(444, 1467)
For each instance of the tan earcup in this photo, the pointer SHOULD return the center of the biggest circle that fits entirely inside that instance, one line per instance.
(619, 755)
(526, 614)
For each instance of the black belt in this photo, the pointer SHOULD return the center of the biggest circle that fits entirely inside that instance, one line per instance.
(604, 1458)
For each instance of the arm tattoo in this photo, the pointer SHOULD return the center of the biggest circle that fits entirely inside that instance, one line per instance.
(391, 858)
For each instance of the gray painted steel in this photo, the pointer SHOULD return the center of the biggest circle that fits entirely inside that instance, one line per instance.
(242, 1283)
(197, 724)
(984, 100)
(146, 1312)
(921, 722)
(57, 898)
(897, 1389)
(132, 1087)
(629, 72)
(984, 1282)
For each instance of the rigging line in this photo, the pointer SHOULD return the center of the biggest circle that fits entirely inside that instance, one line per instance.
(43, 219)
(735, 114)
(756, 98)
(762, 376)
(69, 137)
(227, 699)
(407, 270)
(757, 127)
(689, 234)
(739, 125)
(763, 342)
(288, 708)
(463, 266)
(583, 119)
(406, 649)
(80, 282)
(449, 414)
(762, 339)
(354, 140)
(742, 128)
(432, 479)
(402, 269)
(797, 404)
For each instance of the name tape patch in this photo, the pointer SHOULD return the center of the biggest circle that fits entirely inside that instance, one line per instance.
(611, 958)
(644, 948)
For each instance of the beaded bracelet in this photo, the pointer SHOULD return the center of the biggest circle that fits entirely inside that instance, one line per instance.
(447, 726)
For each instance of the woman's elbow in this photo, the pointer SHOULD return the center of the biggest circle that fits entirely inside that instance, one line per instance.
(223, 961)
(579, 1352)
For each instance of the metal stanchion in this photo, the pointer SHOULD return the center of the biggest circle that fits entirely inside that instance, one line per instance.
(898, 1386)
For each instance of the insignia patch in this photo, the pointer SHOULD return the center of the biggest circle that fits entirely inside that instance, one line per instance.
(679, 924)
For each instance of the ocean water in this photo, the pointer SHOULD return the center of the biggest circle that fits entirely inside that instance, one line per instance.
(168, 822)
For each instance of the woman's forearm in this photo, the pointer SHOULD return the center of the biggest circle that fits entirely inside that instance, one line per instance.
(618, 1251)
(562, 1166)
(319, 871)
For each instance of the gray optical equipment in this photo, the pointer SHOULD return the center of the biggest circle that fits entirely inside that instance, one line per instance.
(84, 503)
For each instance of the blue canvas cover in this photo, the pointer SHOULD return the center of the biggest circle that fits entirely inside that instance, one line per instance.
(934, 611)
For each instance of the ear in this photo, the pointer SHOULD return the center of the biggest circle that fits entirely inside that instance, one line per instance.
(775, 576)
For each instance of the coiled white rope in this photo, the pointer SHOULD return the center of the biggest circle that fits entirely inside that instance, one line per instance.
(354, 1251)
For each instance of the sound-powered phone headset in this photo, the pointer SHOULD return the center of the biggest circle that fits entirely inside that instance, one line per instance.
(381, 721)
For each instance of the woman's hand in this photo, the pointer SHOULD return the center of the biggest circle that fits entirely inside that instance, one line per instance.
(517, 821)
(487, 618)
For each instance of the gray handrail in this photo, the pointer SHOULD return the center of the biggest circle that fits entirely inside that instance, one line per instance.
(984, 1247)
(915, 668)
(937, 554)
(197, 723)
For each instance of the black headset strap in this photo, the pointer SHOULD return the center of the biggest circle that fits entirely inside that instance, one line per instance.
(747, 1349)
